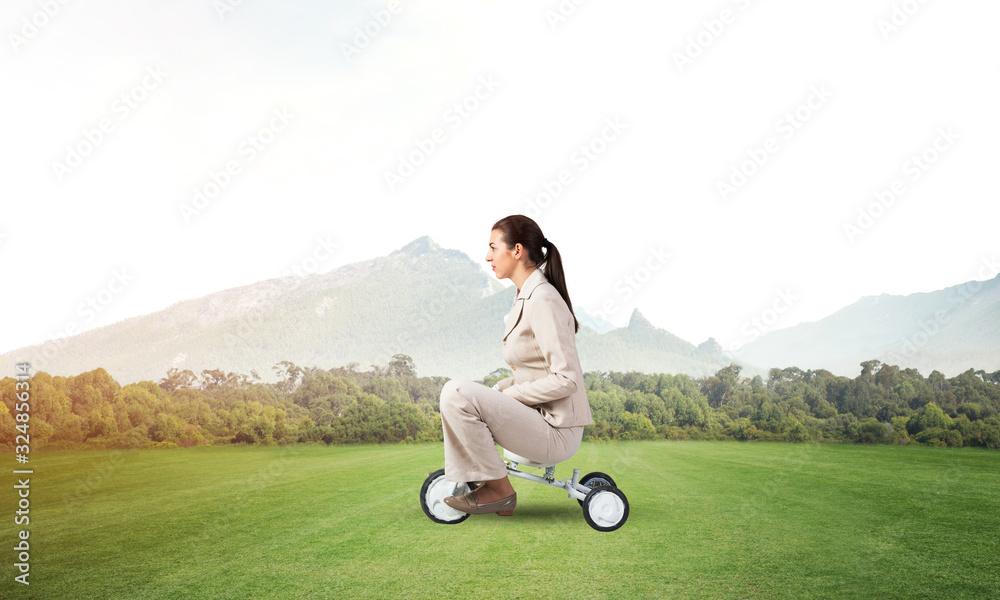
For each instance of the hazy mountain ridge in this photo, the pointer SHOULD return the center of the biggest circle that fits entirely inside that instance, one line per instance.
(433, 304)
(439, 307)
(614, 351)
(949, 330)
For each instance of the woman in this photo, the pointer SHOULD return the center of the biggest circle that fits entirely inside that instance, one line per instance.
(540, 412)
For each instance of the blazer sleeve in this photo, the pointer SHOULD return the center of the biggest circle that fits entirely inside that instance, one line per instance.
(552, 325)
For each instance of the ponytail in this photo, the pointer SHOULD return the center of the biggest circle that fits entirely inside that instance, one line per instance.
(519, 229)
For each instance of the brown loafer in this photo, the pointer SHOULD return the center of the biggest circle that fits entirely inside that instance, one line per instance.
(469, 503)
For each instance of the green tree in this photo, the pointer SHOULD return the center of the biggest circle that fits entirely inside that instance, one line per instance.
(390, 390)
(402, 365)
(101, 422)
(797, 432)
(742, 429)
(607, 406)
(636, 427)
(931, 417)
(8, 427)
(719, 388)
(495, 376)
(868, 431)
(289, 376)
(177, 379)
(165, 427)
(91, 389)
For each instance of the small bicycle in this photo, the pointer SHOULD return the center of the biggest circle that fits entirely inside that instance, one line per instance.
(605, 507)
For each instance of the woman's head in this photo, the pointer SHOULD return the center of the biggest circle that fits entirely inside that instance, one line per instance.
(517, 239)
(519, 229)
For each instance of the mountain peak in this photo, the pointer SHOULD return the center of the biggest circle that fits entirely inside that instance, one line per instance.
(419, 247)
(637, 322)
(711, 346)
(433, 304)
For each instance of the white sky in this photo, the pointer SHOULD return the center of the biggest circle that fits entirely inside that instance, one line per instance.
(883, 96)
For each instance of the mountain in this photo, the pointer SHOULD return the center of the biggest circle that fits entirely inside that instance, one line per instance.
(590, 321)
(640, 346)
(949, 330)
(435, 305)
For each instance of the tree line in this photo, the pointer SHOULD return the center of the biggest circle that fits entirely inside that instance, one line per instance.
(390, 403)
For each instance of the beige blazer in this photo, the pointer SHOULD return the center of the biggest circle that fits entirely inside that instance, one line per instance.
(539, 344)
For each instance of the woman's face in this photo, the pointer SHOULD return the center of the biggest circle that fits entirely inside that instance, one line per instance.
(500, 256)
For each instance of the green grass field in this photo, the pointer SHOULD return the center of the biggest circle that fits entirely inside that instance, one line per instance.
(708, 520)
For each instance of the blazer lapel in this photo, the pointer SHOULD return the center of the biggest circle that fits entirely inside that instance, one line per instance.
(514, 317)
(534, 280)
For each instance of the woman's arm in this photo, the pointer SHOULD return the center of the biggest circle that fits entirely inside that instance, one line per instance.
(553, 327)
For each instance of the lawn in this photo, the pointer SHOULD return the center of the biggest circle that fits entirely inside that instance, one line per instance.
(708, 520)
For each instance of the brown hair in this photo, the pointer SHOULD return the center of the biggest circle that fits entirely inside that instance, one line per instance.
(519, 229)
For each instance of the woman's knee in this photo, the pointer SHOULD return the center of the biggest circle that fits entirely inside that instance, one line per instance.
(451, 395)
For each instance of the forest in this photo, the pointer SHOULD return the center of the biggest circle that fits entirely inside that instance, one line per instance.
(390, 403)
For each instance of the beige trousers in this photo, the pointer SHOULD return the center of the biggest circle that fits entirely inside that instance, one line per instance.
(475, 418)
